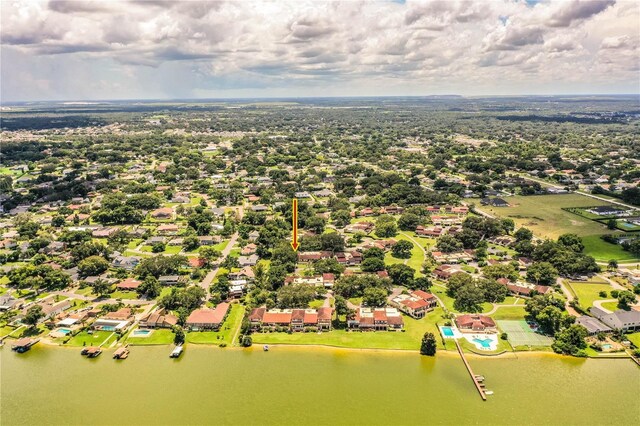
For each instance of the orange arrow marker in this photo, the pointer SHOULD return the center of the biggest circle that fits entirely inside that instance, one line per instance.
(294, 220)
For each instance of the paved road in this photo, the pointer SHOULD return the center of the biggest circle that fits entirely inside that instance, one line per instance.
(206, 282)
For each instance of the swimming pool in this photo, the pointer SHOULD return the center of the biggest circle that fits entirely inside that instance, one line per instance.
(64, 331)
(140, 333)
(607, 346)
(108, 328)
(485, 343)
(447, 331)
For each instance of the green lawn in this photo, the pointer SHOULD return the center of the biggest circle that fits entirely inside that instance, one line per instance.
(543, 214)
(634, 338)
(157, 337)
(97, 338)
(124, 295)
(509, 313)
(610, 306)
(315, 304)
(408, 340)
(604, 251)
(588, 292)
(226, 332)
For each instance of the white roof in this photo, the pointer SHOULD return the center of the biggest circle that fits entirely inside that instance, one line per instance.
(67, 321)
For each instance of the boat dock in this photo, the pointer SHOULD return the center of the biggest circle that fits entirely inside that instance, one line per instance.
(176, 352)
(91, 351)
(24, 344)
(121, 353)
(477, 380)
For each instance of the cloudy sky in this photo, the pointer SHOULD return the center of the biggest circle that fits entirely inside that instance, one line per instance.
(73, 50)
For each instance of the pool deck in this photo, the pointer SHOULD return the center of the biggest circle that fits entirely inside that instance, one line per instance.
(473, 376)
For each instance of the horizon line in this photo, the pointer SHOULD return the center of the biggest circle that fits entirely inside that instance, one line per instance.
(273, 98)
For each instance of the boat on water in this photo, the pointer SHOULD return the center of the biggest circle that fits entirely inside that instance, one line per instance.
(488, 392)
(265, 348)
(91, 351)
(121, 353)
(176, 352)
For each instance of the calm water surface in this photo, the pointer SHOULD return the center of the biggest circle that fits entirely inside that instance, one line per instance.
(310, 386)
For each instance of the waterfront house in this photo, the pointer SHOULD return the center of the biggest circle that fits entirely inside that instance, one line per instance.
(376, 319)
(293, 319)
(475, 323)
(159, 319)
(208, 319)
(416, 304)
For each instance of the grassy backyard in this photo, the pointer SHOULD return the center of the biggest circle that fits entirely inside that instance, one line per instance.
(95, 339)
(157, 337)
(226, 332)
(408, 340)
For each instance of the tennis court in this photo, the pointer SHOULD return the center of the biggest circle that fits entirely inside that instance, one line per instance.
(520, 334)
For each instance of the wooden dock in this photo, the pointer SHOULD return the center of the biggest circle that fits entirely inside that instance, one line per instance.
(478, 385)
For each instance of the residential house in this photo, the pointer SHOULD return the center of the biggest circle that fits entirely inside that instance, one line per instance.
(376, 319)
(618, 320)
(475, 323)
(416, 304)
(208, 319)
(161, 318)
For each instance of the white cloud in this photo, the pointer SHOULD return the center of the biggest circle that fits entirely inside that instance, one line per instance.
(183, 49)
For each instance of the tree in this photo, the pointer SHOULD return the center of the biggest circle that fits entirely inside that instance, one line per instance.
(456, 281)
(469, 298)
(330, 265)
(296, 295)
(179, 335)
(612, 223)
(315, 224)
(402, 249)
(92, 265)
(332, 242)
(340, 303)
(158, 247)
(209, 253)
(409, 221)
(493, 291)
(626, 299)
(543, 273)
(375, 252)
(400, 274)
(571, 241)
(523, 234)
(246, 342)
(33, 316)
(101, 287)
(374, 297)
(449, 244)
(612, 265)
(150, 287)
(372, 264)
(428, 344)
(191, 243)
(386, 227)
(571, 340)
(421, 283)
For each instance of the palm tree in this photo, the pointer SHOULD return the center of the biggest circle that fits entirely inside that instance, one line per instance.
(613, 265)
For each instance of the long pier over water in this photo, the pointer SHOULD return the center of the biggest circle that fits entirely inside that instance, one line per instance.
(473, 376)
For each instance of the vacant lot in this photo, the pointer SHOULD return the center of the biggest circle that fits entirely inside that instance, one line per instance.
(589, 291)
(543, 214)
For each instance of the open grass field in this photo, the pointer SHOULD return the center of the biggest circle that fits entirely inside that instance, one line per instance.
(543, 214)
(588, 292)
(226, 332)
(157, 337)
(408, 340)
(603, 251)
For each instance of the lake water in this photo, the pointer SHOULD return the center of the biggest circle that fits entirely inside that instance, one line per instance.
(310, 386)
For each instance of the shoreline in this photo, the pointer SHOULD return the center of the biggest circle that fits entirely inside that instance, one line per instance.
(330, 348)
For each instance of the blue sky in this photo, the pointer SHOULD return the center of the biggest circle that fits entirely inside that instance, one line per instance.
(169, 49)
